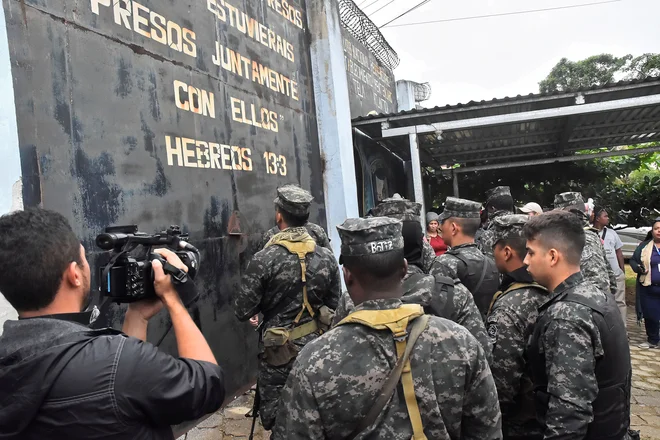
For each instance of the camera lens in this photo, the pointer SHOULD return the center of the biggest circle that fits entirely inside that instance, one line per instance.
(105, 241)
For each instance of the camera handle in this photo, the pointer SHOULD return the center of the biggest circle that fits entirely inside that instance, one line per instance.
(179, 276)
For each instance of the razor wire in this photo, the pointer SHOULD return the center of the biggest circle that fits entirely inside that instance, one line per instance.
(366, 32)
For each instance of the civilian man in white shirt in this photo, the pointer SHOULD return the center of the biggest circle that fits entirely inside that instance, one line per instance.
(613, 246)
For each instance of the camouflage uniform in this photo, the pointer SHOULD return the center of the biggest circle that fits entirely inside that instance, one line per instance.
(462, 309)
(593, 264)
(487, 237)
(405, 210)
(338, 377)
(273, 277)
(316, 232)
(448, 264)
(571, 349)
(510, 323)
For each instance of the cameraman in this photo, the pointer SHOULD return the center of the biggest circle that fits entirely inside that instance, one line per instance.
(59, 379)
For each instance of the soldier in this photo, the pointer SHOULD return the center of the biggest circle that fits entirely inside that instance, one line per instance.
(578, 353)
(315, 231)
(295, 284)
(498, 202)
(403, 209)
(338, 388)
(594, 265)
(459, 222)
(510, 323)
(439, 295)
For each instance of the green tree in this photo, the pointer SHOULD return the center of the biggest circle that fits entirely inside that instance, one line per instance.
(598, 70)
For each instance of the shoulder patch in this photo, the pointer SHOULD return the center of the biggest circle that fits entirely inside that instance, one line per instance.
(492, 331)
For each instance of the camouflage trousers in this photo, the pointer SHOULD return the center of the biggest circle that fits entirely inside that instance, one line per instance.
(271, 381)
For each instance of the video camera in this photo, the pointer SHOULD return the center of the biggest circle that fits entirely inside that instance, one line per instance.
(128, 275)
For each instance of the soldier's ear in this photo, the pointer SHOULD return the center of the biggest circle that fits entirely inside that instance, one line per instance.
(508, 253)
(554, 257)
(348, 276)
(404, 268)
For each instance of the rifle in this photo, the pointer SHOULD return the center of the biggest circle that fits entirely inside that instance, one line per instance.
(255, 411)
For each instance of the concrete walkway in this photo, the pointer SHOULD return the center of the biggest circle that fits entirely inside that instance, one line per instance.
(645, 399)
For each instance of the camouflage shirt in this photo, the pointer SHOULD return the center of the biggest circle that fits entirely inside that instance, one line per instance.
(317, 233)
(424, 291)
(273, 275)
(593, 263)
(447, 264)
(338, 377)
(571, 344)
(428, 257)
(611, 276)
(487, 237)
(510, 324)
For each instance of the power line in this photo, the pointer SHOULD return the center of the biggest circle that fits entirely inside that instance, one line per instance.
(423, 2)
(501, 14)
(382, 7)
(373, 2)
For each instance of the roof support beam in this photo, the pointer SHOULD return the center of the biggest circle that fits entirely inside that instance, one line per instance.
(569, 126)
(573, 158)
(523, 116)
(498, 103)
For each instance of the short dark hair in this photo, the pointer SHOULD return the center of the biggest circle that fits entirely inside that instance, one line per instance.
(561, 230)
(36, 246)
(501, 203)
(375, 268)
(294, 221)
(469, 226)
(518, 244)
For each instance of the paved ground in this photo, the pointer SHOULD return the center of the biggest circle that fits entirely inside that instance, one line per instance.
(230, 423)
(646, 383)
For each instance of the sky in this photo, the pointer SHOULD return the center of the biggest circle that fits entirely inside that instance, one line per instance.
(496, 57)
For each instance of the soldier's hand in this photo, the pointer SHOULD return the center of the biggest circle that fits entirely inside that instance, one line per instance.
(254, 321)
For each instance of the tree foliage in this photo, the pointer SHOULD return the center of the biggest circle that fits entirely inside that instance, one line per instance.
(618, 183)
(598, 70)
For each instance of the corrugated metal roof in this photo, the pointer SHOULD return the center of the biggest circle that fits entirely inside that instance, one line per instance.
(532, 138)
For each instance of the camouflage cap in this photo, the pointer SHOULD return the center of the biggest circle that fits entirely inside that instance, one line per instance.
(460, 208)
(399, 208)
(498, 191)
(368, 236)
(569, 199)
(509, 226)
(294, 200)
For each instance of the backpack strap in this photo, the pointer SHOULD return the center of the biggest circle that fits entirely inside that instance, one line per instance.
(300, 248)
(378, 319)
(512, 287)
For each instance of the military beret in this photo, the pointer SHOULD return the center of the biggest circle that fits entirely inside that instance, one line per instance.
(294, 200)
(569, 199)
(460, 208)
(399, 208)
(368, 236)
(509, 226)
(498, 191)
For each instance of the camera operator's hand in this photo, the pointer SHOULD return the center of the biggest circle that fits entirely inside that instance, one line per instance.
(162, 282)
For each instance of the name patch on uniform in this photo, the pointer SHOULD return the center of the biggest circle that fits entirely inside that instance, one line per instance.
(381, 246)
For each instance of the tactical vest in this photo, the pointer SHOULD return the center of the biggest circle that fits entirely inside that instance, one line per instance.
(278, 341)
(440, 299)
(396, 321)
(611, 409)
(511, 288)
(481, 278)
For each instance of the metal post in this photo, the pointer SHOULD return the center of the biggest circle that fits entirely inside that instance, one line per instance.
(332, 115)
(455, 174)
(405, 96)
(417, 174)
